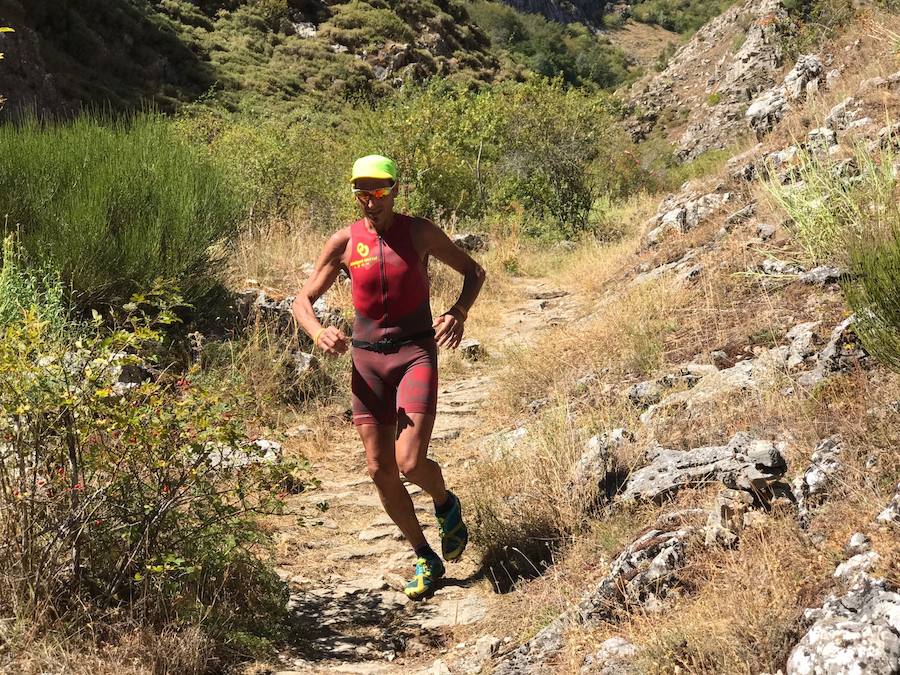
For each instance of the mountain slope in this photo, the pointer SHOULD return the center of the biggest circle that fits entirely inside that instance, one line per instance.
(118, 52)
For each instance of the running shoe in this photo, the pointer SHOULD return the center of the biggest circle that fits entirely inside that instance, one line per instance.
(424, 583)
(453, 531)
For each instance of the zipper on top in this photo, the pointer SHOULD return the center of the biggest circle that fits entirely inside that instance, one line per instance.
(383, 275)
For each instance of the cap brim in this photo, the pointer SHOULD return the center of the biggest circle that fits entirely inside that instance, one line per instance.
(373, 174)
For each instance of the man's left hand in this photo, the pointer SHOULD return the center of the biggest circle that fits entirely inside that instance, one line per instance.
(448, 330)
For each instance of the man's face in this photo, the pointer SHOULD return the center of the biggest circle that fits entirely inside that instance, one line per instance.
(376, 210)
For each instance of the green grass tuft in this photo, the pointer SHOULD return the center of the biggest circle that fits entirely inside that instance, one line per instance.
(115, 206)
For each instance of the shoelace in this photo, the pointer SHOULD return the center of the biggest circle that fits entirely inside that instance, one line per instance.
(422, 568)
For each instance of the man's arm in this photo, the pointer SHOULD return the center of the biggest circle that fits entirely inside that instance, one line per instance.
(330, 339)
(434, 241)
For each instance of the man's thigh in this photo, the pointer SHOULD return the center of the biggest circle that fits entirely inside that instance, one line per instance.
(413, 435)
(379, 444)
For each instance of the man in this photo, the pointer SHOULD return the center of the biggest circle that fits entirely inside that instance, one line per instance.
(394, 379)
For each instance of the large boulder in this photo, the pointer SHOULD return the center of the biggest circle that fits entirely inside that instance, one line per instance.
(683, 212)
(746, 463)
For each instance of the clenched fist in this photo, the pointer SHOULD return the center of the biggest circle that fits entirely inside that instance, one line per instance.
(332, 341)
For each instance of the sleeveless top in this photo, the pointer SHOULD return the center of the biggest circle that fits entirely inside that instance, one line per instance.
(389, 282)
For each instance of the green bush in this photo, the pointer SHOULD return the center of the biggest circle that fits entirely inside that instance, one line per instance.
(684, 16)
(856, 224)
(551, 49)
(141, 493)
(536, 148)
(114, 206)
(359, 25)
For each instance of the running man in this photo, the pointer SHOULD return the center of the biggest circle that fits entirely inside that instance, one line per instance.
(395, 340)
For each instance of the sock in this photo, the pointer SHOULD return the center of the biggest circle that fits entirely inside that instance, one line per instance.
(447, 505)
(425, 551)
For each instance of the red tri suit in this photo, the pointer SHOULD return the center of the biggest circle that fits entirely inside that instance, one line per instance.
(391, 297)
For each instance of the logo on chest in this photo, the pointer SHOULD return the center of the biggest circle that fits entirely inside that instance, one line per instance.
(364, 260)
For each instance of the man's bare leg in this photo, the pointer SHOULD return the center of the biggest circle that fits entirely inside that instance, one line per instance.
(412, 460)
(381, 462)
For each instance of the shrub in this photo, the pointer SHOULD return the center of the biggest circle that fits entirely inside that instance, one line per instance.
(683, 17)
(113, 207)
(814, 21)
(534, 148)
(359, 25)
(551, 49)
(856, 224)
(139, 493)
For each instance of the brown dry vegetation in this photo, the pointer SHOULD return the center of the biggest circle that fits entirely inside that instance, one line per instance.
(740, 610)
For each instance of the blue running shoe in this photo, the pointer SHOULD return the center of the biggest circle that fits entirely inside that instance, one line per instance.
(453, 531)
(424, 583)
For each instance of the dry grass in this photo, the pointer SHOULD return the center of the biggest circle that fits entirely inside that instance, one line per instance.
(116, 650)
(625, 338)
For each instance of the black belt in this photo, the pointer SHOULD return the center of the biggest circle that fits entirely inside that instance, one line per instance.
(385, 345)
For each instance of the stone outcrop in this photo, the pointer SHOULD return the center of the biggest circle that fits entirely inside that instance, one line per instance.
(614, 657)
(805, 79)
(891, 513)
(469, 241)
(254, 304)
(640, 576)
(857, 628)
(842, 353)
(745, 463)
(595, 475)
(682, 213)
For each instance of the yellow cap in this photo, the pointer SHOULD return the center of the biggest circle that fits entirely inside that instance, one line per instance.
(374, 166)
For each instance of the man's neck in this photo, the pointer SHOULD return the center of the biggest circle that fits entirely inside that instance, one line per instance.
(382, 229)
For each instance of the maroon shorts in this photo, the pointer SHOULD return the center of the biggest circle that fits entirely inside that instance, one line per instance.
(402, 381)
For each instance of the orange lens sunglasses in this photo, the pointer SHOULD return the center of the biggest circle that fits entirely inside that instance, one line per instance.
(366, 195)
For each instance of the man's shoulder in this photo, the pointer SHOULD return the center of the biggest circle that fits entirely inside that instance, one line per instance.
(338, 241)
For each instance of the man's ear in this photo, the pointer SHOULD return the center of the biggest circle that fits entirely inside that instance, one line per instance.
(395, 190)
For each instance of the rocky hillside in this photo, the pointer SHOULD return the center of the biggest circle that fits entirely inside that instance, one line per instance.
(698, 101)
(248, 53)
(688, 463)
(588, 12)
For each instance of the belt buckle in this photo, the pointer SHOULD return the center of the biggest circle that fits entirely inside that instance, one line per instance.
(383, 346)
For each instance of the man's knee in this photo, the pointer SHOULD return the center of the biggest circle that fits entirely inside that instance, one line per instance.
(382, 472)
(410, 466)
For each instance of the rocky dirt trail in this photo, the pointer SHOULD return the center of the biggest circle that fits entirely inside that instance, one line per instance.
(346, 568)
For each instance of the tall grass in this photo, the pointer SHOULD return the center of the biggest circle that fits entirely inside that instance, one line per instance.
(25, 290)
(114, 206)
(855, 222)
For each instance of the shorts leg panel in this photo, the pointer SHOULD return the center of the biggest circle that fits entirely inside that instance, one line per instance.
(374, 399)
(417, 390)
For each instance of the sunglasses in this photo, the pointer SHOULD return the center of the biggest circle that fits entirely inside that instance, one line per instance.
(366, 195)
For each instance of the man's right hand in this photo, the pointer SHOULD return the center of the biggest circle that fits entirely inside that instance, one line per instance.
(332, 341)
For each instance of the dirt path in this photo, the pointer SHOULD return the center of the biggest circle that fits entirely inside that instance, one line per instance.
(345, 569)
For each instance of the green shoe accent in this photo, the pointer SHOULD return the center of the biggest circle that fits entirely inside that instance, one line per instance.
(453, 531)
(424, 583)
